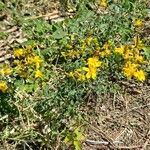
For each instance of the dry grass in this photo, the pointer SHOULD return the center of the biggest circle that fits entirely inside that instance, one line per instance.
(120, 117)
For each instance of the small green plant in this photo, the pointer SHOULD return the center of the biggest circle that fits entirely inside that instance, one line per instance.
(3, 35)
(75, 138)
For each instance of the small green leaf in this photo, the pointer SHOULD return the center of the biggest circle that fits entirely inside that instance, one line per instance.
(77, 145)
(59, 34)
(79, 135)
(147, 52)
(68, 139)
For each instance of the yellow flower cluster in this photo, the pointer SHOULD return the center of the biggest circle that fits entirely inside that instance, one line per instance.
(131, 70)
(5, 70)
(34, 60)
(83, 47)
(72, 54)
(91, 70)
(105, 50)
(18, 53)
(89, 46)
(132, 59)
(93, 64)
(27, 62)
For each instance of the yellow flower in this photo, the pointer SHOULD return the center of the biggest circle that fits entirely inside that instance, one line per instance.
(16, 62)
(77, 74)
(106, 45)
(70, 74)
(93, 62)
(105, 53)
(129, 69)
(103, 3)
(128, 54)
(3, 86)
(138, 43)
(138, 23)
(37, 60)
(38, 74)
(34, 60)
(120, 50)
(105, 49)
(81, 77)
(89, 40)
(18, 52)
(139, 59)
(28, 50)
(73, 54)
(140, 75)
(6, 70)
(91, 72)
(20, 68)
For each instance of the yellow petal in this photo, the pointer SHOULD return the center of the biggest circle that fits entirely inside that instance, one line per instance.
(140, 75)
(3, 86)
(38, 74)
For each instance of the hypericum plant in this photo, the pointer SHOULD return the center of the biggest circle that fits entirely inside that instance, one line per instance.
(72, 62)
(25, 65)
(133, 59)
(92, 57)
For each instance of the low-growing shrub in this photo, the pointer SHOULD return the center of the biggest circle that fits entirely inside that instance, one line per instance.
(52, 74)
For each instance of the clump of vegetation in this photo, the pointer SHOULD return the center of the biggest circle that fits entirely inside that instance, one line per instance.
(126, 56)
(50, 75)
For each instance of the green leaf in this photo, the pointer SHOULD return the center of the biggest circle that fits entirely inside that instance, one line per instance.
(68, 139)
(77, 145)
(59, 34)
(79, 135)
(2, 6)
(147, 52)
